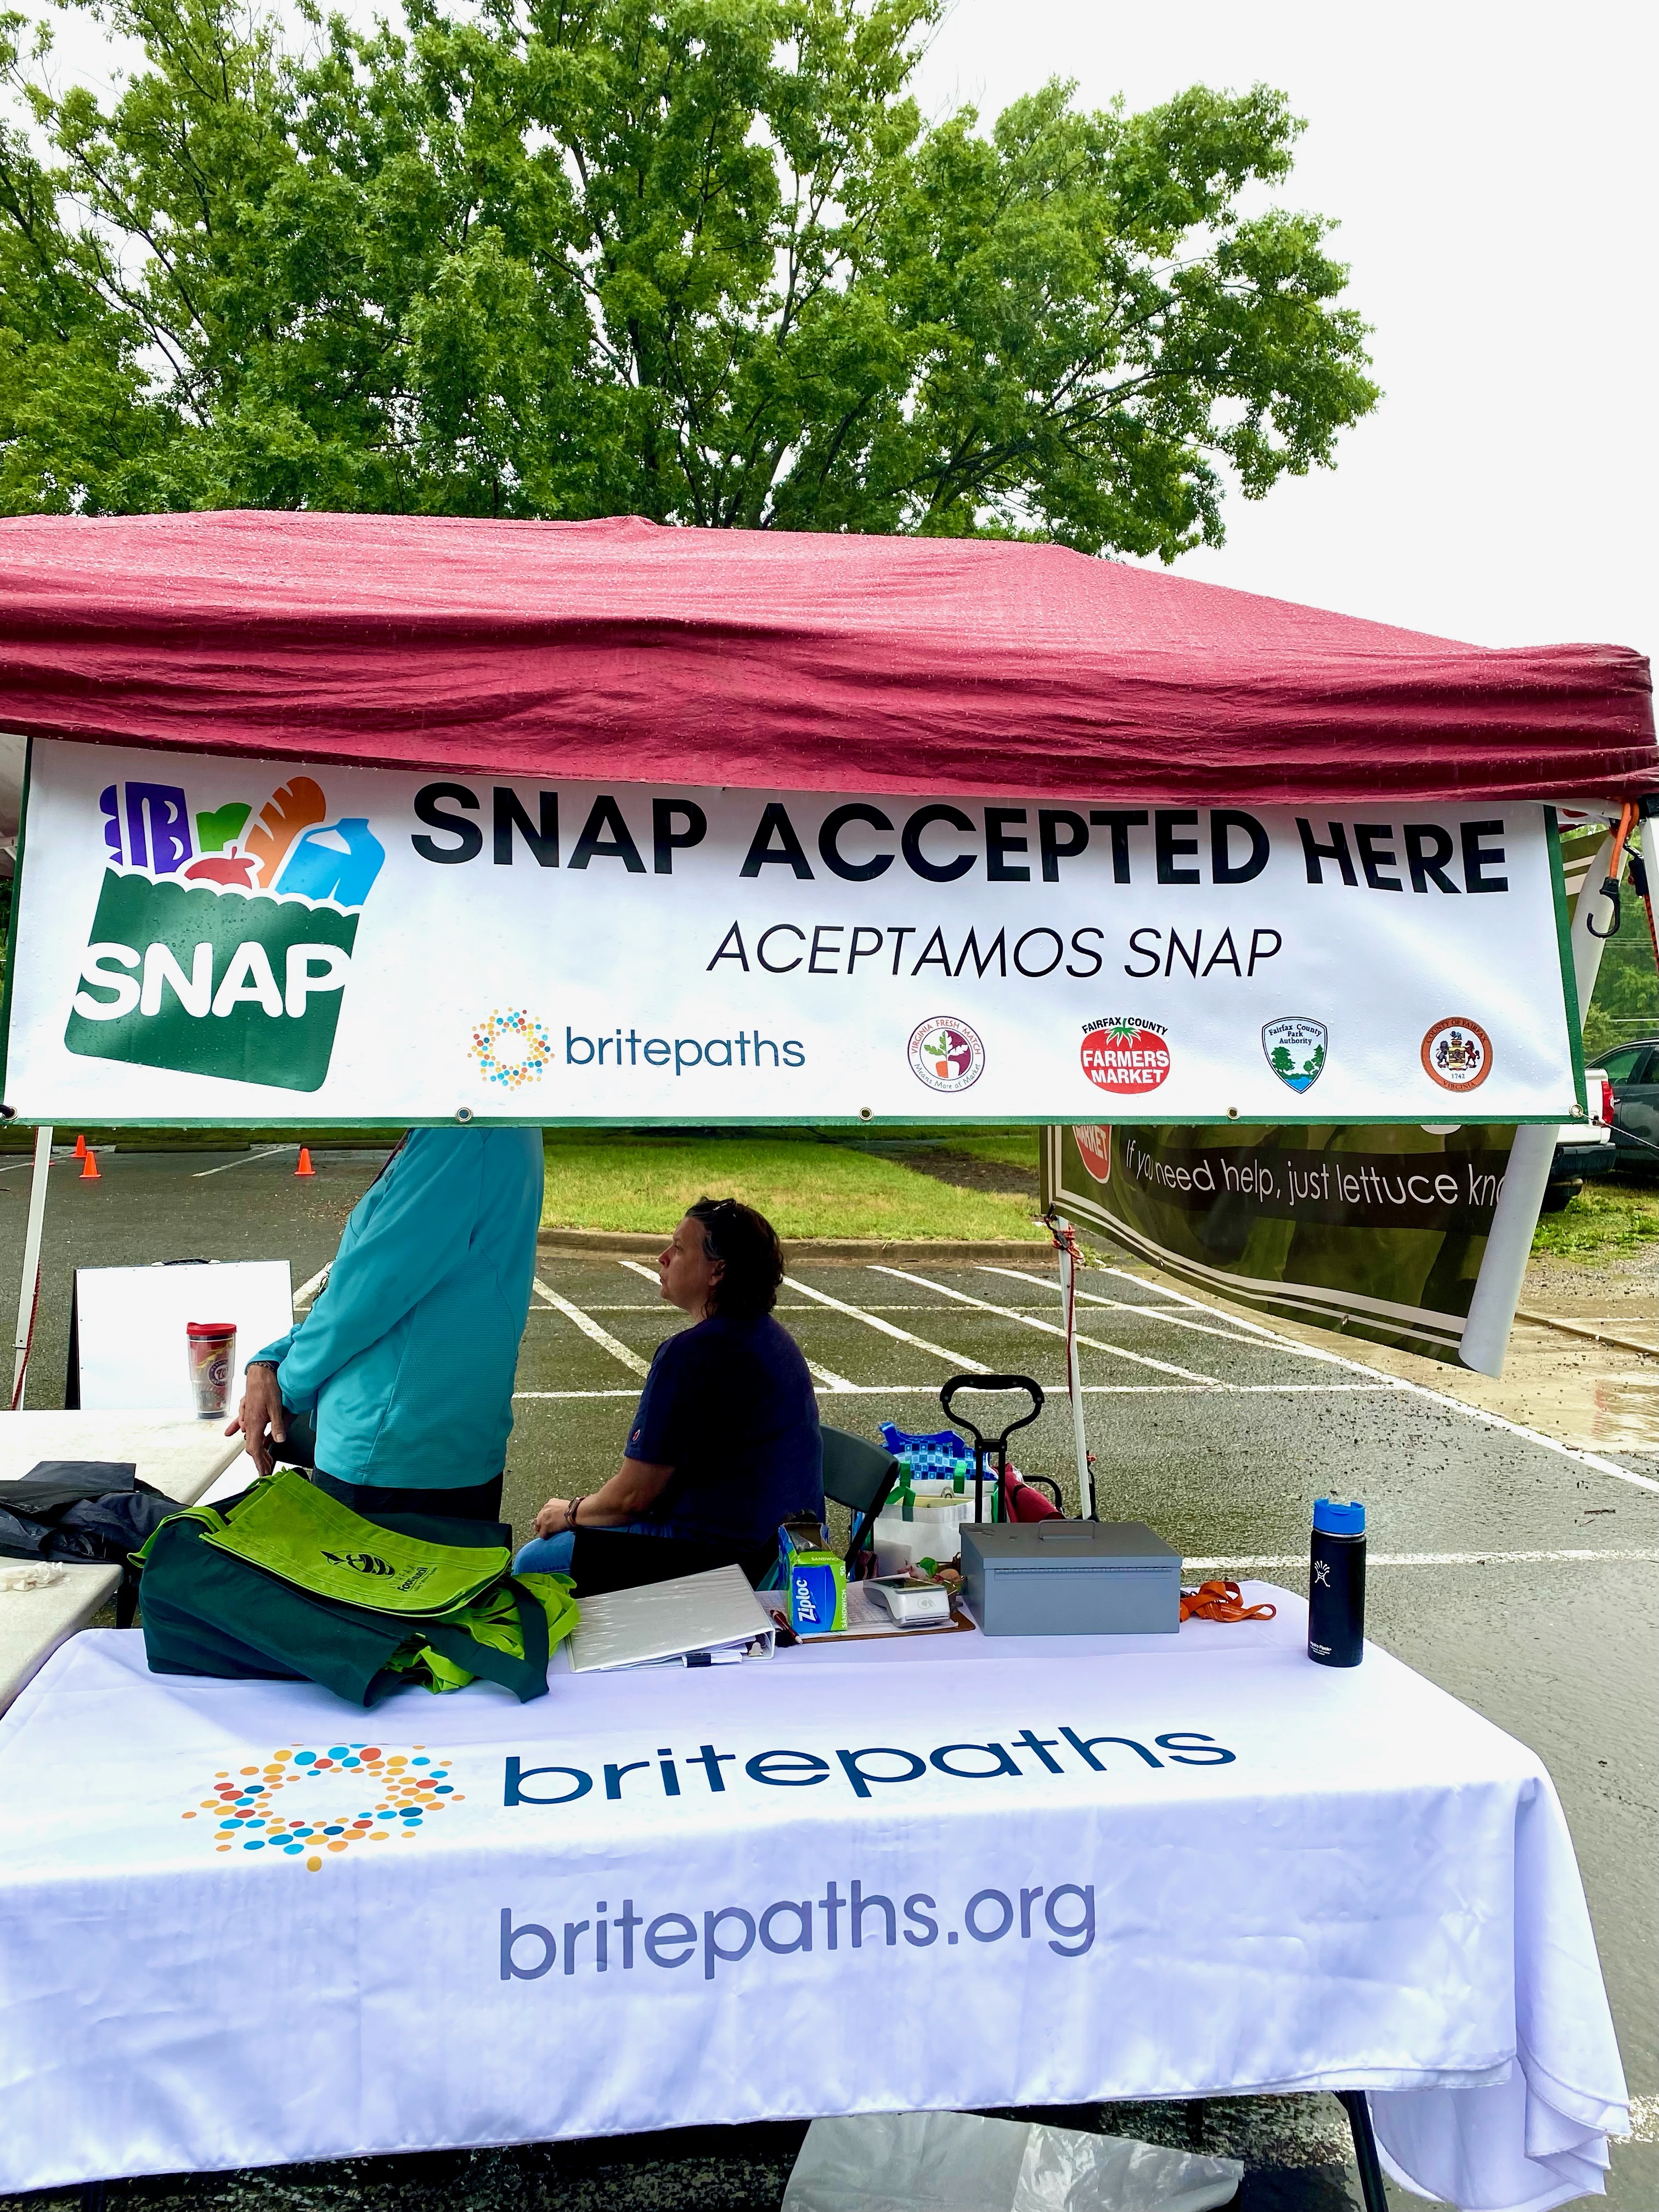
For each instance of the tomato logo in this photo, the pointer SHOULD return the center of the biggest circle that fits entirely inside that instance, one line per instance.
(1094, 1149)
(1126, 1056)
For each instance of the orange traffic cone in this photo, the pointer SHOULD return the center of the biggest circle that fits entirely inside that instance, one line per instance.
(81, 1147)
(89, 1167)
(305, 1166)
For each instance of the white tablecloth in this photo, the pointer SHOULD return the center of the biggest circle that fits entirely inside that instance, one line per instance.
(838, 1882)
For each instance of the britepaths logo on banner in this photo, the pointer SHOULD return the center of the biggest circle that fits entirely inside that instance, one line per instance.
(217, 949)
(369, 1794)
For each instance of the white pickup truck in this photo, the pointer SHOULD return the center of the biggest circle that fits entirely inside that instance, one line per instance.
(1583, 1148)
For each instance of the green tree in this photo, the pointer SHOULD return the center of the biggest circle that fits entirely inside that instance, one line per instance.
(696, 259)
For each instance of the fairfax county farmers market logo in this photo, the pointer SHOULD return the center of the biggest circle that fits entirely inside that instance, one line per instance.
(946, 1053)
(1094, 1149)
(512, 1049)
(1295, 1047)
(368, 1796)
(219, 948)
(1125, 1054)
(1457, 1054)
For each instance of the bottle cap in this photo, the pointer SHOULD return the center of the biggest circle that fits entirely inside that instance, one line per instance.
(1338, 1517)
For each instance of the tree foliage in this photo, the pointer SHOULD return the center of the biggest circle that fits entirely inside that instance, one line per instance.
(701, 260)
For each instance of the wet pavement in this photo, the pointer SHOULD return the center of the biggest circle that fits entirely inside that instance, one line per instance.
(1519, 1578)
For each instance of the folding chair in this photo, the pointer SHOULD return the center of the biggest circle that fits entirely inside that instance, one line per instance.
(860, 1476)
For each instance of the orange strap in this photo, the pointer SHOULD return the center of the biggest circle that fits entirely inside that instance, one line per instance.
(1221, 1602)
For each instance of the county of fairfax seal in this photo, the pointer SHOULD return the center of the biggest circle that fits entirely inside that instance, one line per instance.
(1457, 1054)
(946, 1053)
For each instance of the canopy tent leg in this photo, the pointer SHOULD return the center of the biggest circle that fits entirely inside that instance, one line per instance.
(1065, 1238)
(1372, 2193)
(28, 1291)
(1509, 1241)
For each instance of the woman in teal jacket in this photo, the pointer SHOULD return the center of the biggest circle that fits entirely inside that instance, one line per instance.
(407, 1358)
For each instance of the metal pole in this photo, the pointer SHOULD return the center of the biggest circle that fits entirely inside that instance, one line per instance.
(30, 1284)
(1085, 1490)
(1509, 1242)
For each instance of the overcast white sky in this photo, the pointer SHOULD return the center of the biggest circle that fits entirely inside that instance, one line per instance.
(1492, 169)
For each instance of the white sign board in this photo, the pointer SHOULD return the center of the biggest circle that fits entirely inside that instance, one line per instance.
(208, 940)
(130, 1324)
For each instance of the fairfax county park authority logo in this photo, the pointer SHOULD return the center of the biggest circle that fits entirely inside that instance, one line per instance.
(512, 1049)
(946, 1053)
(1094, 1148)
(223, 940)
(1295, 1049)
(1457, 1054)
(1125, 1054)
(368, 1796)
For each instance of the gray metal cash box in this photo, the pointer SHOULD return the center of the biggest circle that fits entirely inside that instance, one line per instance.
(1070, 1578)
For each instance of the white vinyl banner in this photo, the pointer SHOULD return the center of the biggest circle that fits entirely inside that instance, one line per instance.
(201, 938)
(241, 1923)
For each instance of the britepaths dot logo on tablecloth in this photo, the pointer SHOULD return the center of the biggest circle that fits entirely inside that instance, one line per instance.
(946, 1053)
(511, 1048)
(217, 949)
(344, 1794)
(1457, 1054)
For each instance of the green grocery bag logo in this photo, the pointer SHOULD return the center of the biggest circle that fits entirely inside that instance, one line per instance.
(213, 952)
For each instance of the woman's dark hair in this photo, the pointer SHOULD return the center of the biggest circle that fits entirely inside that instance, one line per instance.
(746, 1244)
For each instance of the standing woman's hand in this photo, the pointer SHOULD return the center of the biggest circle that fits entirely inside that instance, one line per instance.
(260, 1418)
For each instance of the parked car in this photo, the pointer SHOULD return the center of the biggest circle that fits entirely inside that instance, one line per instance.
(1634, 1071)
(1583, 1149)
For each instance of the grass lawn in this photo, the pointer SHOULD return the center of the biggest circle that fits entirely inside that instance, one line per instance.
(804, 1188)
(1606, 1220)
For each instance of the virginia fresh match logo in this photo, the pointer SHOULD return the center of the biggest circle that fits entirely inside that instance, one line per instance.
(221, 950)
(1125, 1054)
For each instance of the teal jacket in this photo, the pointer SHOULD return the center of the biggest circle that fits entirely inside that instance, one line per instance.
(408, 1357)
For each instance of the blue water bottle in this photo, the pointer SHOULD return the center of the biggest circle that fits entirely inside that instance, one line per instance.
(1336, 1584)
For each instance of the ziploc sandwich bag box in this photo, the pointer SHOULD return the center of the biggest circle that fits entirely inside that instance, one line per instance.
(815, 1579)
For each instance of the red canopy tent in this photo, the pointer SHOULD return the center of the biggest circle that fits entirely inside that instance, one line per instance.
(598, 649)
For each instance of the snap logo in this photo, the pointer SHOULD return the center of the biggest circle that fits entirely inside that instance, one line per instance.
(217, 949)
(367, 1795)
(1457, 1054)
(1125, 1054)
(946, 1053)
(364, 1562)
(1295, 1049)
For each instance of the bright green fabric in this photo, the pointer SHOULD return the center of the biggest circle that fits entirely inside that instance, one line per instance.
(291, 1528)
(493, 1620)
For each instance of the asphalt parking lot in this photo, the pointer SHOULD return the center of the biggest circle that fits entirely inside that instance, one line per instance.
(1520, 1577)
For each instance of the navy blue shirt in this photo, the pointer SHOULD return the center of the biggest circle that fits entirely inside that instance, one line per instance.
(729, 1405)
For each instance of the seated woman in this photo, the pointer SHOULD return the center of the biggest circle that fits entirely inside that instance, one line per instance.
(725, 1444)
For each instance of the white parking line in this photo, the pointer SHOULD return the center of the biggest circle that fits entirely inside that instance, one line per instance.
(1049, 1390)
(1121, 1305)
(589, 1327)
(308, 1292)
(827, 1376)
(1591, 1459)
(1054, 1329)
(958, 1359)
(246, 1159)
(1248, 1563)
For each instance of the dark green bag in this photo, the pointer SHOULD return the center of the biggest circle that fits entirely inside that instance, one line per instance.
(207, 1611)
